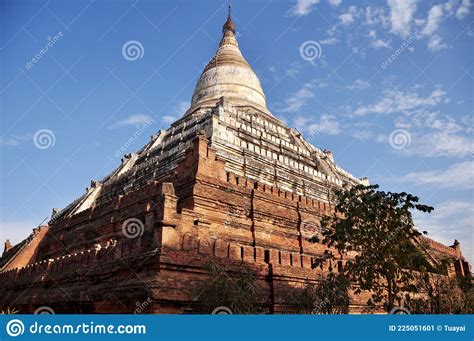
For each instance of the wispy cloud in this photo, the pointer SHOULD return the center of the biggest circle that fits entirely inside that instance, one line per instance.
(397, 16)
(329, 41)
(335, 3)
(168, 119)
(303, 7)
(435, 43)
(437, 135)
(377, 42)
(177, 111)
(300, 98)
(376, 16)
(432, 22)
(441, 143)
(401, 16)
(435, 16)
(133, 120)
(459, 176)
(362, 135)
(358, 84)
(350, 15)
(14, 140)
(325, 125)
(463, 10)
(180, 108)
(432, 134)
(395, 101)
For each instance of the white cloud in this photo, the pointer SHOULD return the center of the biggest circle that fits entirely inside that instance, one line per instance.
(14, 140)
(180, 108)
(332, 34)
(329, 41)
(294, 69)
(376, 16)
(358, 84)
(350, 16)
(463, 10)
(327, 125)
(459, 176)
(397, 101)
(363, 135)
(431, 134)
(303, 7)
(298, 99)
(335, 3)
(435, 15)
(441, 143)
(401, 16)
(435, 43)
(134, 120)
(168, 119)
(420, 22)
(320, 84)
(434, 18)
(449, 6)
(332, 31)
(432, 120)
(378, 43)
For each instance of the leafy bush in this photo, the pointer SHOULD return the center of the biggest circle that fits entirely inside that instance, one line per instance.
(234, 287)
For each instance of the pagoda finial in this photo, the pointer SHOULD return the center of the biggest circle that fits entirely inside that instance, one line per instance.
(229, 24)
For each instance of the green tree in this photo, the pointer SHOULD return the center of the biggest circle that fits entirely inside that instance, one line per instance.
(234, 287)
(442, 295)
(330, 295)
(374, 231)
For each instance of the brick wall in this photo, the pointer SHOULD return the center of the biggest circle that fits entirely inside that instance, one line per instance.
(199, 211)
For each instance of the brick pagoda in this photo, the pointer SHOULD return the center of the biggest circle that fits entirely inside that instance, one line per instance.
(227, 181)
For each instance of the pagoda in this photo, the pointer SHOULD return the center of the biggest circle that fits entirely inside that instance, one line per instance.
(227, 181)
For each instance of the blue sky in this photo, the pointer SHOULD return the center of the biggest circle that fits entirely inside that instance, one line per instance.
(386, 86)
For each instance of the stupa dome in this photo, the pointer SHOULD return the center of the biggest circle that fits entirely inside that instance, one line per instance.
(228, 75)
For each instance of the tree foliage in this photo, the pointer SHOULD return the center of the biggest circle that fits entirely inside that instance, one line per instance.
(442, 295)
(376, 229)
(234, 287)
(330, 295)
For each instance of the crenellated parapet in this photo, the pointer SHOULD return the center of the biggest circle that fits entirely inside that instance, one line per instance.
(437, 246)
